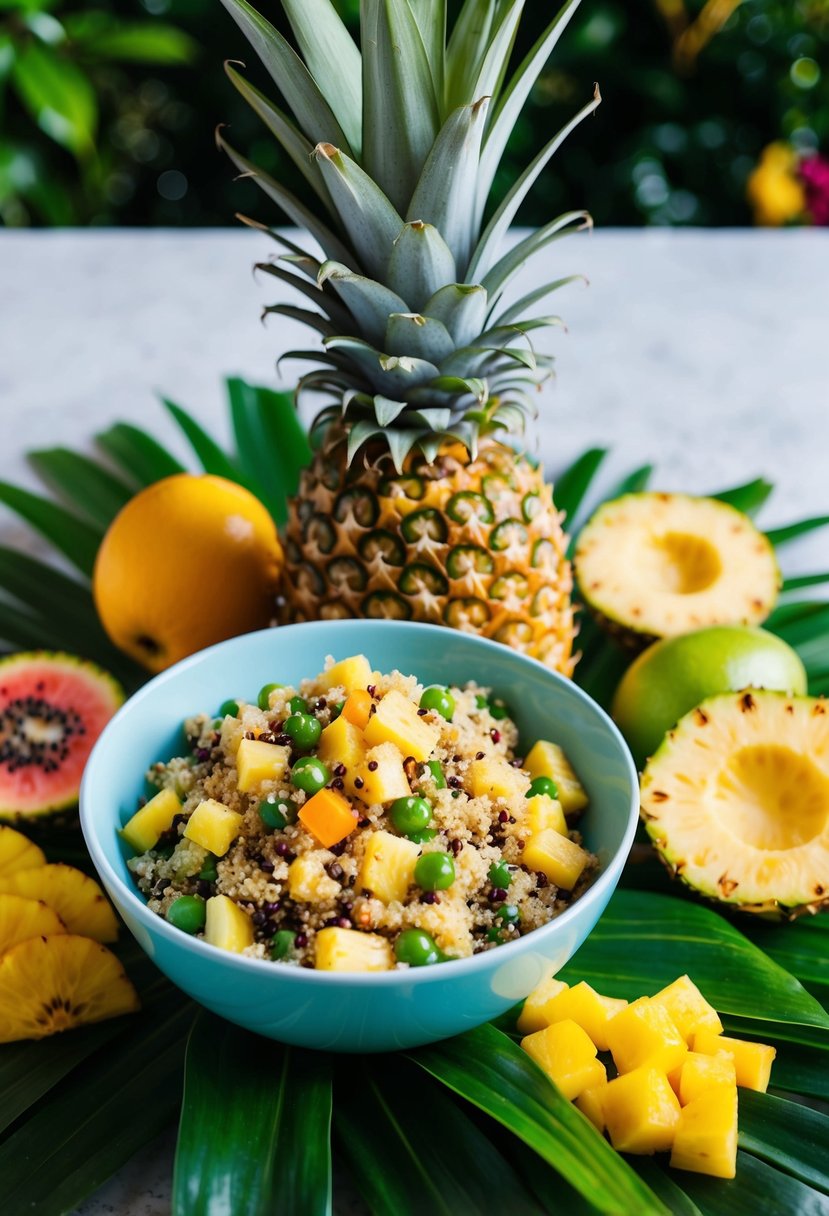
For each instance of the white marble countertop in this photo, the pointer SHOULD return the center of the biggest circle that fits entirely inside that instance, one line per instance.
(705, 352)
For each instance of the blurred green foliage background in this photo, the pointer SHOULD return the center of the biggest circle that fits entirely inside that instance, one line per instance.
(107, 109)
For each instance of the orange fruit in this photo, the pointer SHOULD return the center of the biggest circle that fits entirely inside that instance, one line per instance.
(188, 562)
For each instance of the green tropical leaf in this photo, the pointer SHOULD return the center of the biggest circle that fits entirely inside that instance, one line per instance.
(815, 1037)
(82, 483)
(748, 498)
(667, 1184)
(758, 1188)
(600, 674)
(800, 1070)
(212, 458)
(786, 1134)
(273, 446)
(799, 581)
(58, 95)
(781, 536)
(635, 483)
(72, 537)
(114, 40)
(572, 485)
(142, 457)
(802, 948)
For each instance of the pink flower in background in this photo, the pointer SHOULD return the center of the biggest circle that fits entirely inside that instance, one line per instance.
(814, 173)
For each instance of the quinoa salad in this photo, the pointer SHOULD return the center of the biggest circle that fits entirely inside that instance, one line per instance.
(360, 822)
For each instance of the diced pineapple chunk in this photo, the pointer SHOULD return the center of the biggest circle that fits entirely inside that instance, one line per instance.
(349, 674)
(641, 1112)
(382, 775)
(214, 826)
(591, 1104)
(227, 926)
(257, 762)
(752, 1061)
(357, 708)
(688, 1008)
(388, 866)
(396, 721)
(343, 743)
(705, 1139)
(556, 856)
(700, 1073)
(534, 1014)
(643, 1036)
(494, 777)
(142, 832)
(567, 1056)
(350, 950)
(542, 813)
(586, 1008)
(547, 759)
(308, 882)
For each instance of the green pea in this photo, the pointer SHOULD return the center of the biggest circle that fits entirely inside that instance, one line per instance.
(509, 914)
(423, 837)
(208, 872)
(275, 812)
(188, 913)
(310, 774)
(481, 701)
(282, 944)
(304, 729)
(499, 875)
(436, 772)
(435, 871)
(298, 705)
(265, 695)
(543, 785)
(411, 815)
(229, 709)
(417, 948)
(495, 934)
(439, 699)
(499, 709)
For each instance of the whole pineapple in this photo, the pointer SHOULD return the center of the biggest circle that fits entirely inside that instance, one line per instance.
(420, 503)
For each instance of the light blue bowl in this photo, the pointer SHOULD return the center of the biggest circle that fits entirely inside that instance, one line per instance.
(359, 1012)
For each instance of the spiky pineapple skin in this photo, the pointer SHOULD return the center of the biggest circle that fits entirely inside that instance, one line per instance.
(356, 546)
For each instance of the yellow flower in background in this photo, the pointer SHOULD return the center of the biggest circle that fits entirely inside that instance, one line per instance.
(774, 189)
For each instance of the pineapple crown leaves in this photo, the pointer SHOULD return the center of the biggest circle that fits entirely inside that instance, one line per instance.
(399, 145)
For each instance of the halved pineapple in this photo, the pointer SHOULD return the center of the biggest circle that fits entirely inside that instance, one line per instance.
(21, 919)
(78, 900)
(736, 801)
(17, 852)
(657, 565)
(57, 982)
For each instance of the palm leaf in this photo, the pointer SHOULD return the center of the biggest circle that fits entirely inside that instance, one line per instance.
(757, 1188)
(272, 444)
(785, 1134)
(82, 483)
(748, 498)
(142, 457)
(210, 456)
(782, 536)
(573, 484)
(76, 540)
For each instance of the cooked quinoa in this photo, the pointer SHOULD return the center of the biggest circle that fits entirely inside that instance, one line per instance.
(340, 855)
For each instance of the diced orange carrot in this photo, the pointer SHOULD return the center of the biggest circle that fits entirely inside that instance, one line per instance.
(328, 816)
(357, 708)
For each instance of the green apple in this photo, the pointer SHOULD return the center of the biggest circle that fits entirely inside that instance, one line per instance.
(672, 676)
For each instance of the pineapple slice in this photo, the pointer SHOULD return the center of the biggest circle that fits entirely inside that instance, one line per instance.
(78, 900)
(543, 813)
(350, 950)
(388, 866)
(17, 852)
(227, 925)
(214, 826)
(591, 1104)
(357, 708)
(534, 1014)
(641, 1112)
(257, 762)
(494, 777)
(546, 759)
(21, 919)
(57, 982)
(343, 743)
(382, 776)
(350, 674)
(308, 882)
(700, 1073)
(752, 1061)
(688, 1008)
(556, 856)
(587, 1009)
(643, 1036)
(705, 1139)
(567, 1056)
(396, 721)
(143, 830)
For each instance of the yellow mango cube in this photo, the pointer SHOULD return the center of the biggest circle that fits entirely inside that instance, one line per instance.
(494, 777)
(688, 1008)
(567, 1056)
(643, 1036)
(700, 1073)
(227, 925)
(587, 1009)
(752, 1061)
(543, 813)
(349, 674)
(591, 1104)
(308, 882)
(388, 866)
(546, 759)
(534, 1014)
(143, 831)
(641, 1112)
(214, 826)
(382, 776)
(343, 743)
(556, 856)
(350, 950)
(257, 762)
(705, 1138)
(396, 721)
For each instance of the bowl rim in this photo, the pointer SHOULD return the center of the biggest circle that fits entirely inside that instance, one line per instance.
(402, 976)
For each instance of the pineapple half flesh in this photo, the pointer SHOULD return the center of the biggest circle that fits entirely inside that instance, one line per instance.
(420, 503)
